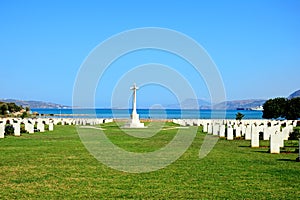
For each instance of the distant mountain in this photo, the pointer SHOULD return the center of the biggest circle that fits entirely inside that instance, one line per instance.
(294, 94)
(190, 104)
(228, 105)
(240, 104)
(34, 104)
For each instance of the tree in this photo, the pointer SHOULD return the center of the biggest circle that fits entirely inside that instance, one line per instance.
(3, 108)
(275, 108)
(293, 108)
(239, 116)
(282, 107)
(24, 115)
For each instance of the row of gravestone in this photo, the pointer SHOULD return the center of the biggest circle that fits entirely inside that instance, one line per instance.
(29, 124)
(250, 129)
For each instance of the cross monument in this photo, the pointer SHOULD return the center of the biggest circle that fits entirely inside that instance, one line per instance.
(134, 121)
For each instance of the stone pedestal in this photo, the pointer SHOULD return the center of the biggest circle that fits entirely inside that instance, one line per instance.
(134, 122)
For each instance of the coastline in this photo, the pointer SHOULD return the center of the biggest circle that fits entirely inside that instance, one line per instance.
(147, 114)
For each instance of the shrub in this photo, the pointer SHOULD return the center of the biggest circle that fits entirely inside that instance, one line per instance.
(295, 135)
(9, 129)
(22, 128)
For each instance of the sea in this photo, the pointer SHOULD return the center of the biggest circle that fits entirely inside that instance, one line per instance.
(147, 113)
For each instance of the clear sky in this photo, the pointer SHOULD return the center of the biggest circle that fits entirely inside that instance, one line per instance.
(255, 45)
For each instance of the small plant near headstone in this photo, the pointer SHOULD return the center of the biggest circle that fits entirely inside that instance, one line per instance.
(36, 130)
(22, 129)
(295, 135)
(9, 129)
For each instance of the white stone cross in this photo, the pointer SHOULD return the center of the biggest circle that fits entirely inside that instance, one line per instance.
(135, 121)
(134, 88)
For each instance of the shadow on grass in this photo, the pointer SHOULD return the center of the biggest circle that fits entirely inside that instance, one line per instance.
(286, 160)
(262, 151)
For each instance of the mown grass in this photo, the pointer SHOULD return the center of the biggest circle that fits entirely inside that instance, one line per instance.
(56, 165)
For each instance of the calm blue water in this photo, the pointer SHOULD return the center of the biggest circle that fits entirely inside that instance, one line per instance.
(150, 113)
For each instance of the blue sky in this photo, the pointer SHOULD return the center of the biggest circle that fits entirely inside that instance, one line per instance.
(254, 44)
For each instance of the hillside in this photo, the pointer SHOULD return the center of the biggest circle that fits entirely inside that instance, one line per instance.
(240, 104)
(34, 104)
(294, 94)
(228, 105)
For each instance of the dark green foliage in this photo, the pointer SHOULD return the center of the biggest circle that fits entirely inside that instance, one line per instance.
(24, 115)
(274, 108)
(293, 108)
(9, 129)
(282, 108)
(295, 135)
(6, 108)
(3, 108)
(239, 116)
(22, 128)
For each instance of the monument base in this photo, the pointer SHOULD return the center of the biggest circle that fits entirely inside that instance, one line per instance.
(134, 122)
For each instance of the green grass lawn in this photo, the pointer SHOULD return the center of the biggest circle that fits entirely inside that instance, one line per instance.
(56, 165)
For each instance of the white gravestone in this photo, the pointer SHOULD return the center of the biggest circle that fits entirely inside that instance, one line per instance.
(210, 128)
(216, 129)
(17, 129)
(205, 127)
(229, 133)
(243, 130)
(222, 131)
(30, 128)
(135, 121)
(2, 130)
(255, 137)
(266, 133)
(275, 143)
(41, 126)
(248, 133)
(50, 126)
(238, 131)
